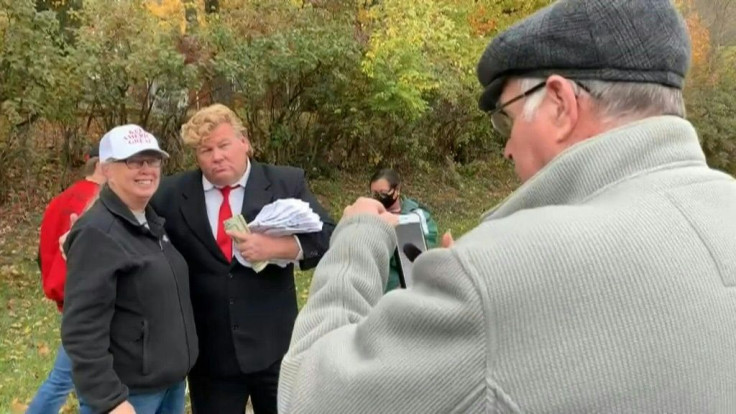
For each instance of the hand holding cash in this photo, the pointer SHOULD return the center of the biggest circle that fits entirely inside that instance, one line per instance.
(238, 223)
(281, 218)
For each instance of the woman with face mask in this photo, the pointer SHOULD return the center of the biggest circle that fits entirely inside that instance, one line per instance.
(385, 187)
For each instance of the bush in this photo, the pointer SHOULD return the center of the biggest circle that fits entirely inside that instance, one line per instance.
(327, 85)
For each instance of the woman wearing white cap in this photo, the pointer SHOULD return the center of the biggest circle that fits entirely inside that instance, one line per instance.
(128, 325)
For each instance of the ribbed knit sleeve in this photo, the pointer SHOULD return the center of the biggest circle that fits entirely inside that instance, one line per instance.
(355, 350)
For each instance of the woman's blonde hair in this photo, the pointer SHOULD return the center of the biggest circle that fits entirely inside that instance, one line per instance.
(201, 124)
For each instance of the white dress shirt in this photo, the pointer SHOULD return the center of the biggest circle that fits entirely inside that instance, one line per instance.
(213, 200)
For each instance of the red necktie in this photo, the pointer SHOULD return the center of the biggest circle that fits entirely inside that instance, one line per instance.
(223, 240)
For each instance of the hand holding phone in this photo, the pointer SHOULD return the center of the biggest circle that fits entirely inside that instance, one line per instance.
(411, 243)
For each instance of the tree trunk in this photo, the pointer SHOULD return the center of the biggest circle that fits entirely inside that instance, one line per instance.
(190, 13)
(211, 6)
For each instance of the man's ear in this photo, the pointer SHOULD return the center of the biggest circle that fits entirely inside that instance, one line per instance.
(105, 168)
(565, 114)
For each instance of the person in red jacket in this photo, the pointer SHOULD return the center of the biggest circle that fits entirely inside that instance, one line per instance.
(56, 221)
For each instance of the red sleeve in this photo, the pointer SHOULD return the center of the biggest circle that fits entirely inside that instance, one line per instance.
(54, 224)
(51, 226)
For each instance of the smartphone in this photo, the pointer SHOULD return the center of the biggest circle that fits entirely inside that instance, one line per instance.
(409, 230)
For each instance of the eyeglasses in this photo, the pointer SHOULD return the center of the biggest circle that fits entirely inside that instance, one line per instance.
(385, 193)
(500, 120)
(137, 163)
(388, 193)
(503, 123)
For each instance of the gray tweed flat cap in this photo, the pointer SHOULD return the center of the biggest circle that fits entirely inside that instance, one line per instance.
(609, 40)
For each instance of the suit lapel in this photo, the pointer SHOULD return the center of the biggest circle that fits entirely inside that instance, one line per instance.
(257, 192)
(194, 210)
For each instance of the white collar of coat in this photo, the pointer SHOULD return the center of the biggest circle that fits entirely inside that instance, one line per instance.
(586, 168)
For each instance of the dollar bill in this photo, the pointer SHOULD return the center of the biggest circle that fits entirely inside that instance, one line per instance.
(238, 223)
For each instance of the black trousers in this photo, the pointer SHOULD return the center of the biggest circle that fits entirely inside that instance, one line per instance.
(229, 395)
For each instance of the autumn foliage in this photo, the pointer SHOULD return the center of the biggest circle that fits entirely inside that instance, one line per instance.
(327, 85)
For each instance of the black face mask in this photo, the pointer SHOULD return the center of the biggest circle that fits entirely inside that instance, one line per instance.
(387, 199)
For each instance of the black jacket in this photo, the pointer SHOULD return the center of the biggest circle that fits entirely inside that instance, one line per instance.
(244, 319)
(128, 321)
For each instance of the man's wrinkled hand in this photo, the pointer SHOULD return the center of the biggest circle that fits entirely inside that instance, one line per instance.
(365, 205)
(391, 218)
(447, 240)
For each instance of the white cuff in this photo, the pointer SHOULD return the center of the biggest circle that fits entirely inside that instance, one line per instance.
(299, 256)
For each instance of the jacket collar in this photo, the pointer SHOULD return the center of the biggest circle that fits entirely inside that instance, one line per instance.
(592, 165)
(115, 205)
(256, 194)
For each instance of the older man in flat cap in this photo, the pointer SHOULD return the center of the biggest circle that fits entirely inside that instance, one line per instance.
(606, 283)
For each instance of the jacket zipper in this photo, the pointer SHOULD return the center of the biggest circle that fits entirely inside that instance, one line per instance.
(181, 308)
(145, 347)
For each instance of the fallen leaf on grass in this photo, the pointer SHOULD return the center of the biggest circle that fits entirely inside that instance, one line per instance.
(18, 407)
(43, 350)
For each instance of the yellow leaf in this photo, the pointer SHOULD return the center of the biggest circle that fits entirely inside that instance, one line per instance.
(43, 350)
(18, 407)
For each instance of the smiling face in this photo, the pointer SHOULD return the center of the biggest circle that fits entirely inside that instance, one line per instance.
(223, 155)
(135, 179)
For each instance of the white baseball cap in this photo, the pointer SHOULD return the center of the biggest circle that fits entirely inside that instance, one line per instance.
(123, 142)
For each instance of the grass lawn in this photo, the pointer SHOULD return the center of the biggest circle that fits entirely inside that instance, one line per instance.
(29, 324)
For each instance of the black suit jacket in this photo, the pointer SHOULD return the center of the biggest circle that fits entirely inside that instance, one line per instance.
(244, 319)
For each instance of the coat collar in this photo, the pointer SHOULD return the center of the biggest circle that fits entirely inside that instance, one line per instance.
(257, 192)
(117, 207)
(592, 165)
(194, 209)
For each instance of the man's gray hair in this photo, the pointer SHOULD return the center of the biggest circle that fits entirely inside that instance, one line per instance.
(617, 102)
